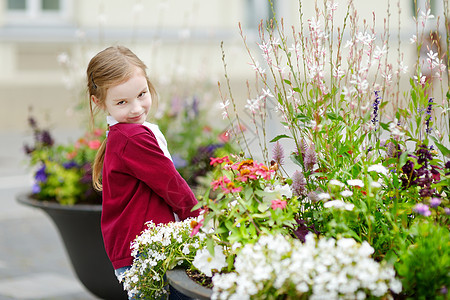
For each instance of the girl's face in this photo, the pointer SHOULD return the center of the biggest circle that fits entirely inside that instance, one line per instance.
(130, 101)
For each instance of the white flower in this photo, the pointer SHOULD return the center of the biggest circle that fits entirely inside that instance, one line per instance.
(355, 182)
(346, 193)
(395, 129)
(336, 183)
(379, 52)
(326, 269)
(266, 93)
(205, 262)
(339, 204)
(338, 72)
(323, 196)
(379, 168)
(185, 250)
(277, 192)
(252, 105)
(375, 185)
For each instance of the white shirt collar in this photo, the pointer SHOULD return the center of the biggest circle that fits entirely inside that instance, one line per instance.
(153, 127)
(111, 121)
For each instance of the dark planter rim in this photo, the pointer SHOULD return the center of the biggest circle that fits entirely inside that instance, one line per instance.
(27, 199)
(180, 281)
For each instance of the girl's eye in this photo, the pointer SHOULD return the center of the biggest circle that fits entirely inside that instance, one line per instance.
(142, 94)
(120, 102)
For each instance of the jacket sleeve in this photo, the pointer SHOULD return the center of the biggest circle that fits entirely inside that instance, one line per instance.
(146, 161)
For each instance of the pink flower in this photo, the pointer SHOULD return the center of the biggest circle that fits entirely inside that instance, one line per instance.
(98, 132)
(263, 171)
(278, 204)
(94, 144)
(221, 181)
(195, 227)
(218, 160)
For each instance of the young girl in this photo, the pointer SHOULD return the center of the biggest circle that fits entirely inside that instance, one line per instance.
(139, 181)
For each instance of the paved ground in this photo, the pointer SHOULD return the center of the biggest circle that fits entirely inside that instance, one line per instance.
(33, 262)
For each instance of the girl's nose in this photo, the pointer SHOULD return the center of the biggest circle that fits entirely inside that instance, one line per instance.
(135, 106)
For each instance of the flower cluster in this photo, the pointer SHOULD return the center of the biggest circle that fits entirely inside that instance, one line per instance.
(63, 172)
(419, 171)
(323, 269)
(157, 249)
(248, 199)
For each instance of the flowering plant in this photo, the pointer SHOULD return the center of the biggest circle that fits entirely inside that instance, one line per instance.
(323, 269)
(250, 200)
(157, 249)
(369, 171)
(366, 164)
(63, 172)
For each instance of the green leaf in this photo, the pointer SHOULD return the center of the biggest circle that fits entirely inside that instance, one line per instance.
(278, 137)
(210, 245)
(263, 206)
(403, 159)
(385, 126)
(444, 150)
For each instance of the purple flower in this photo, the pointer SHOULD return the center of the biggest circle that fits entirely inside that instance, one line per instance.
(278, 154)
(41, 175)
(422, 209)
(447, 166)
(376, 103)
(302, 230)
(46, 138)
(310, 158)
(435, 202)
(69, 165)
(32, 122)
(298, 184)
(428, 120)
(447, 211)
(35, 189)
(195, 106)
(178, 161)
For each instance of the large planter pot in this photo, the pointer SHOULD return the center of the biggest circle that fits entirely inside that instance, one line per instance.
(180, 281)
(79, 228)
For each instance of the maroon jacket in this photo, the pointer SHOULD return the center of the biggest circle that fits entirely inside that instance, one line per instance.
(139, 184)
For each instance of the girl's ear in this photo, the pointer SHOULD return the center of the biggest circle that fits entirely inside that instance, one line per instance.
(96, 101)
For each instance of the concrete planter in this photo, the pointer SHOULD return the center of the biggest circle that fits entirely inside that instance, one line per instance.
(79, 228)
(180, 281)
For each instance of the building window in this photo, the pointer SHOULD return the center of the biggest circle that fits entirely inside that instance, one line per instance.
(32, 12)
(17, 5)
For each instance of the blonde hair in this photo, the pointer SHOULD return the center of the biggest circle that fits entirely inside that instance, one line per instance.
(108, 68)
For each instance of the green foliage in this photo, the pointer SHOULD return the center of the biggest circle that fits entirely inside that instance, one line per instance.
(424, 261)
(62, 173)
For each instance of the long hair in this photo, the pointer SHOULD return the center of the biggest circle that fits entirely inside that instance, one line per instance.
(108, 68)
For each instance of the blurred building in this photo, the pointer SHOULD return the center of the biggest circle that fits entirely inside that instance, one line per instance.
(171, 36)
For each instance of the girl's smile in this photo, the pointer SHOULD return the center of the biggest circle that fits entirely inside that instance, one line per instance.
(130, 101)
